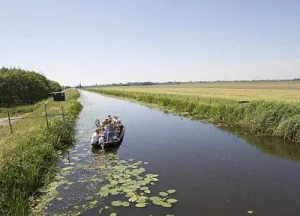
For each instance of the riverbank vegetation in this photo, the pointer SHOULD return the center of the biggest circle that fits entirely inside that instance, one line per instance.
(28, 156)
(261, 117)
(22, 87)
(20, 110)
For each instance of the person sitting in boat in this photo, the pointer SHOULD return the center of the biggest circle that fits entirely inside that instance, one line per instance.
(105, 122)
(110, 130)
(105, 134)
(119, 130)
(101, 140)
(117, 121)
(95, 137)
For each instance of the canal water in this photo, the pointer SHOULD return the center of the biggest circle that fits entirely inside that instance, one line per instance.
(215, 172)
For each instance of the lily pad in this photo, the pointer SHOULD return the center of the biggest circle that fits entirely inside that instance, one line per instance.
(113, 214)
(172, 201)
(116, 203)
(157, 202)
(141, 205)
(114, 192)
(147, 191)
(171, 191)
(166, 205)
(144, 188)
(141, 199)
(133, 199)
(94, 202)
(154, 198)
(163, 194)
(125, 204)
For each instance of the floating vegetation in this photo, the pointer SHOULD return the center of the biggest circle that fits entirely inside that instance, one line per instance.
(171, 191)
(113, 183)
(250, 212)
(163, 194)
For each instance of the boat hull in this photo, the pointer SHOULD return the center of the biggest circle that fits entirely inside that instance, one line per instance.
(111, 144)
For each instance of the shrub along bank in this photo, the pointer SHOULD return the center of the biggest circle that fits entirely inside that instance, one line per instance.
(22, 87)
(28, 156)
(272, 118)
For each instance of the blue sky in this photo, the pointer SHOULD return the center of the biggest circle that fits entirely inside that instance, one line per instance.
(96, 41)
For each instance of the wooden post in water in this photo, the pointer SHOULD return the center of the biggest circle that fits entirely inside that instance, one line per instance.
(63, 115)
(9, 121)
(46, 116)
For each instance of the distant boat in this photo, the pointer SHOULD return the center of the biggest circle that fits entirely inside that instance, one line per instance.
(115, 142)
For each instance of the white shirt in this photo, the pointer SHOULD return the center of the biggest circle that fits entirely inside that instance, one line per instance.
(95, 137)
(101, 140)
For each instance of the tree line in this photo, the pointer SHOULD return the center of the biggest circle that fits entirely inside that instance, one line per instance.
(194, 82)
(22, 87)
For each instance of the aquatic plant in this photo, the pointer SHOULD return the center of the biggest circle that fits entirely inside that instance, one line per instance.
(122, 184)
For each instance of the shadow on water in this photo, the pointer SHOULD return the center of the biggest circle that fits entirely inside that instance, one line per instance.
(98, 151)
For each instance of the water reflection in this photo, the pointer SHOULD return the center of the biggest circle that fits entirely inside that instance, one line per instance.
(270, 145)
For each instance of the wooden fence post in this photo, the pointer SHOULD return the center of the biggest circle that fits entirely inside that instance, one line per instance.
(63, 115)
(209, 107)
(9, 121)
(46, 116)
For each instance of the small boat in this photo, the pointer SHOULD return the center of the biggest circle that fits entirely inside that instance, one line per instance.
(113, 143)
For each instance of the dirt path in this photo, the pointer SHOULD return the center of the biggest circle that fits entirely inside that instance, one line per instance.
(4, 121)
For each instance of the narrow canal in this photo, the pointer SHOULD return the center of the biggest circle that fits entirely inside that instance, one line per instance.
(214, 172)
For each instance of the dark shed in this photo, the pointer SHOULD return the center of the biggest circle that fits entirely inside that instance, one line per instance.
(58, 96)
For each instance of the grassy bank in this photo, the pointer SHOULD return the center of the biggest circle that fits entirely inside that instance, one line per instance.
(20, 110)
(272, 118)
(28, 156)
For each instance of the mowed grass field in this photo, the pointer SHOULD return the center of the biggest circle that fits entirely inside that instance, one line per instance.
(282, 91)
